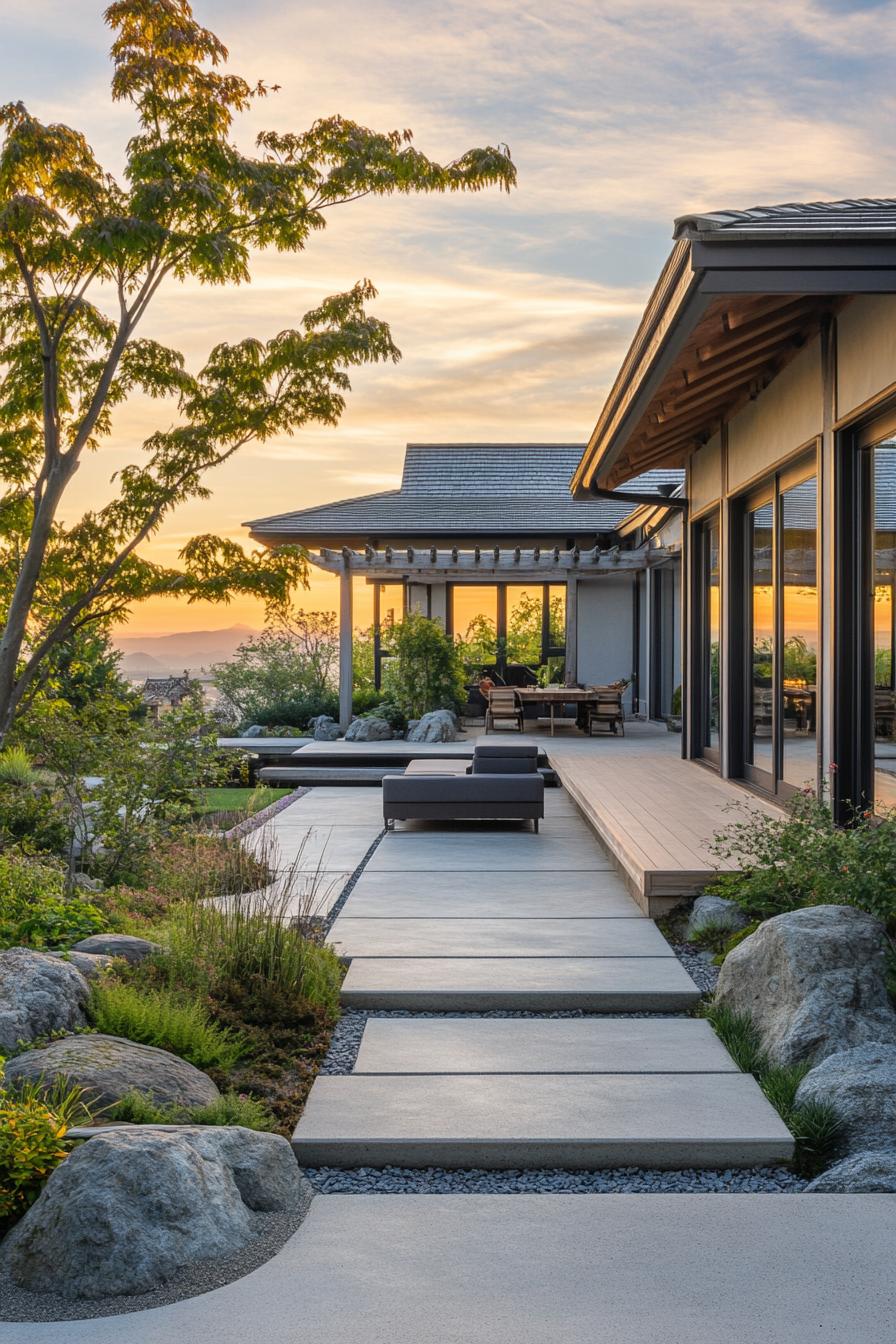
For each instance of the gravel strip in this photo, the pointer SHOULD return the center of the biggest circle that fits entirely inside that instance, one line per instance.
(699, 966)
(350, 885)
(552, 1181)
(260, 818)
(272, 1230)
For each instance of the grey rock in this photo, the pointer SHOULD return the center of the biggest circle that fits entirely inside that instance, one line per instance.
(869, 1173)
(92, 884)
(440, 725)
(369, 730)
(812, 981)
(118, 945)
(256, 730)
(714, 912)
(131, 1208)
(109, 1067)
(323, 728)
(860, 1084)
(39, 995)
(90, 964)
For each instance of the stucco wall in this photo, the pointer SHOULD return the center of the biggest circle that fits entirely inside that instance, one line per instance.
(783, 418)
(605, 618)
(866, 350)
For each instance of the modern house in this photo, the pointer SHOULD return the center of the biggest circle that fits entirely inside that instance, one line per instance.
(487, 539)
(765, 367)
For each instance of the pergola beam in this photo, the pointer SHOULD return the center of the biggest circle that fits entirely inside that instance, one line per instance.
(433, 564)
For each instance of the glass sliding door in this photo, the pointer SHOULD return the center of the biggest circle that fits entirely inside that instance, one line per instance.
(761, 643)
(780, 616)
(881, 632)
(709, 671)
(799, 645)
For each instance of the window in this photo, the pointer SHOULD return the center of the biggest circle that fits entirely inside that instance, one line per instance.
(508, 625)
(880, 631)
(780, 615)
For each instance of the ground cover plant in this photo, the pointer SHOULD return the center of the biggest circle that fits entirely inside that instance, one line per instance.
(37, 911)
(166, 1019)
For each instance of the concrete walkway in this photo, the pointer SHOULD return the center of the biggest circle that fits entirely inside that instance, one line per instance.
(547, 1269)
(475, 919)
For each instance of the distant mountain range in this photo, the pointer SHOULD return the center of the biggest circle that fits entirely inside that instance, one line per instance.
(171, 655)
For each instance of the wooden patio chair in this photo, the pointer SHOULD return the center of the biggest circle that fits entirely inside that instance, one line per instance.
(504, 706)
(605, 711)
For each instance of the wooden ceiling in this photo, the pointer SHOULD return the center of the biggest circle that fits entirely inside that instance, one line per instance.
(740, 345)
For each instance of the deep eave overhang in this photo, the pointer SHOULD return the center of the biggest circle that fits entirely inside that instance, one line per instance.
(780, 285)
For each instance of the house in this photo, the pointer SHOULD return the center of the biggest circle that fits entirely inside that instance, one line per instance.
(765, 367)
(163, 693)
(487, 540)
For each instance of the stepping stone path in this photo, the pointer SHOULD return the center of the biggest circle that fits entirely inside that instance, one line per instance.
(477, 919)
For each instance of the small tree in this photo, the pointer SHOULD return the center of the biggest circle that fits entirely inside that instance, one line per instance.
(294, 661)
(426, 671)
(82, 258)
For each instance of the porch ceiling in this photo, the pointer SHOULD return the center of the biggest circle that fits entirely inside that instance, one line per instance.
(493, 562)
(734, 352)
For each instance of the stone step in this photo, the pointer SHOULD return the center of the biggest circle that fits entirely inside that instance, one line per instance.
(483, 850)
(584, 1121)
(490, 896)
(536, 984)
(447, 1045)
(498, 938)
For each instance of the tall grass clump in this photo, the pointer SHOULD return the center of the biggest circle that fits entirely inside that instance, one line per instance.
(815, 1125)
(266, 942)
(232, 1108)
(167, 1019)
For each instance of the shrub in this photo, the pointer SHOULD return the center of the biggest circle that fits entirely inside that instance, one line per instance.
(166, 1019)
(232, 1108)
(296, 711)
(16, 768)
(32, 1143)
(33, 820)
(366, 699)
(425, 671)
(35, 910)
(804, 858)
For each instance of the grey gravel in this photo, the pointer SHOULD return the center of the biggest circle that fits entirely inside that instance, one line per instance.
(272, 1230)
(265, 815)
(699, 966)
(350, 884)
(555, 1181)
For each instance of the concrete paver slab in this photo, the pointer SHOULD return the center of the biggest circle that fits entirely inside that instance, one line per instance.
(539, 1269)
(308, 848)
(499, 1121)
(540, 984)
(541, 1045)
(482, 850)
(498, 938)
(466, 895)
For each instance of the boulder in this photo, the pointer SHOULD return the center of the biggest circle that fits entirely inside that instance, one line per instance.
(323, 728)
(438, 726)
(369, 730)
(118, 945)
(812, 981)
(39, 995)
(109, 1067)
(872, 1173)
(90, 964)
(131, 1208)
(91, 884)
(714, 912)
(860, 1084)
(255, 730)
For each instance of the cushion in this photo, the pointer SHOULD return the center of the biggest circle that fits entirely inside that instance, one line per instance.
(505, 749)
(463, 788)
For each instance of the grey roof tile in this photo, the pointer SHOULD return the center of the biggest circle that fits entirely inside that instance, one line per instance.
(814, 219)
(491, 489)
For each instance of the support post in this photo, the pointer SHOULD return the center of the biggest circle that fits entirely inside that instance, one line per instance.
(346, 677)
(572, 629)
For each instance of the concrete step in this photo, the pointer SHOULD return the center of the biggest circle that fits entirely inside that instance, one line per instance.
(538, 984)
(490, 896)
(354, 937)
(584, 1121)
(447, 1045)
(312, 775)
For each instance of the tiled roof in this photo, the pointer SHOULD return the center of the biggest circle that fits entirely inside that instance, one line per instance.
(467, 489)
(816, 219)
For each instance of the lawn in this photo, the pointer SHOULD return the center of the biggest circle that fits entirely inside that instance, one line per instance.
(235, 800)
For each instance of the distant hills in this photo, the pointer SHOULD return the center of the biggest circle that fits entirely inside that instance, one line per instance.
(171, 655)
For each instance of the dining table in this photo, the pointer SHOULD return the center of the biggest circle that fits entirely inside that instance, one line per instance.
(552, 696)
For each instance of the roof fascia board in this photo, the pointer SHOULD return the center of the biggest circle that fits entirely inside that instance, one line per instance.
(733, 253)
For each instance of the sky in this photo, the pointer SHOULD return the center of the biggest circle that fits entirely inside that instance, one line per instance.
(512, 312)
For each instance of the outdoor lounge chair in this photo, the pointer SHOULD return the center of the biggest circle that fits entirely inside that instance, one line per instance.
(504, 706)
(474, 797)
(504, 758)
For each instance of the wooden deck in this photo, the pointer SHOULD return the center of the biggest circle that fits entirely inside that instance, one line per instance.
(656, 813)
